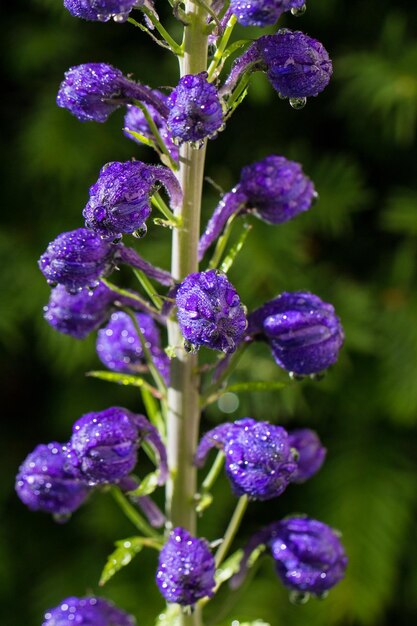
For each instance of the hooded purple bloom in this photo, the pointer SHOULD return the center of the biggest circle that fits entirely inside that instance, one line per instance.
(92, 92)
(89, 611)
(210, 312)
(195, 111)
(81, 313)
(262, 12)
(185, 569)
(297, 66)
(45, 483)
(304, 333)
(79, 258)
(135, 120)
(104, 445)
(309, 556)
(258, 456)
(120, 348)
(274, 189)
(100, 10)
(311, 453)
(120, 199)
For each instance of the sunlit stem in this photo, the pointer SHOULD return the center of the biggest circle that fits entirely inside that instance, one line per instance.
(125, 293)
(154, 129)
(148, 287)
(232, 529)
(222, 242)
(159, 203)
(221, 47)
(132, 514)
(214, 472)
(175, 47)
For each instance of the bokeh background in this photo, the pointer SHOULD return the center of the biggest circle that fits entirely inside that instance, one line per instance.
(356, 248)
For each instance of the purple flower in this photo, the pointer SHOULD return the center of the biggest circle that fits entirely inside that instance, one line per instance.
(120, 199)
(81, 313)
(120, 348)
(92, 92)
(135, 120)
(258, 456)
(79, 258)
(304, 333)
(309, 556)
(274, 189)
(262, 12)
(311, 453)
(89, 611)
(104, 445)
(297, 66)
(100, 10)
(210, 312)
(195, 111)
(45, 483)
(185, 569)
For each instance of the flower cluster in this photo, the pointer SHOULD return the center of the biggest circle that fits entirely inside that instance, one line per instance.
(57, 478)
(305, 335)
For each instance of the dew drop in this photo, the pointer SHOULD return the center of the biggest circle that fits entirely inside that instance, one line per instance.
(298, 103)
(190, 348)
(297, 12)
(140, 232)
(299, 597)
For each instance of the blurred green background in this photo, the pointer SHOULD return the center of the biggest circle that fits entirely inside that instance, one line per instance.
(356, 248)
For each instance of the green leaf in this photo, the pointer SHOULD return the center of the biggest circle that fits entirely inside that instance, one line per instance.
(126, 550)
(145, 140)
(147, 485)
(228, 568)
(257, 385)
(124, 379)
(236, 248)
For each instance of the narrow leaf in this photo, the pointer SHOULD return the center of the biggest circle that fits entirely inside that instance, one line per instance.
(257, 385)
(228, 568)
(235, 249)
(145, 140)
(124, 379)
(147, 485)
(126, 550)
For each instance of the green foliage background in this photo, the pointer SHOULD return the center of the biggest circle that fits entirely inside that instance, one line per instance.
(357, 248)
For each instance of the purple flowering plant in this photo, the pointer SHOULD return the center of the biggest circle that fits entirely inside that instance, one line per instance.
(196, 307)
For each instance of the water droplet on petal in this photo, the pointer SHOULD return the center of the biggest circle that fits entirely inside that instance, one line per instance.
(140, 232)
(298, 103)
(297, 12)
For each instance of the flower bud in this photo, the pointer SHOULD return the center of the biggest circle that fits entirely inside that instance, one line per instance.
(120, 199)
(304, 333)
(104, 445)
(136, 121)
(89, 611)
(258, 457)
(80, 313)
(77, 259)
(195, 111)
(100, 10)
(45, 482)
(120, 349)
(311, 453)
(210, 312)
(274, 189)
(186, 569)
(309, 556)
(297, 65)
(262, 12)
(92, 92)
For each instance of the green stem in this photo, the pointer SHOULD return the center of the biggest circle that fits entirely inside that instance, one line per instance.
(215, 470)
(232, 529)
(132, 514)
(125, 293)
(175, 47)
(183, 393)
(214, 391)
(221, 48)
(155, 132)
